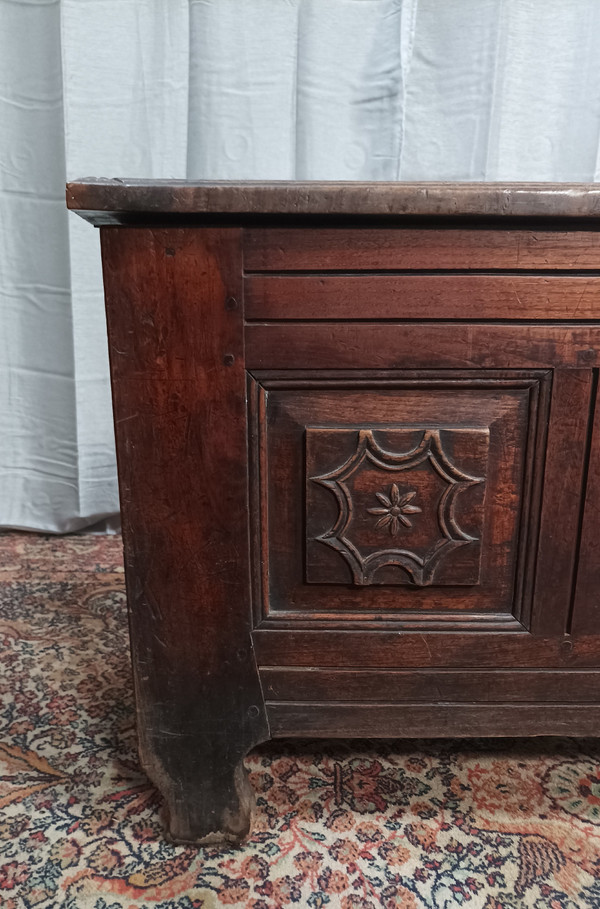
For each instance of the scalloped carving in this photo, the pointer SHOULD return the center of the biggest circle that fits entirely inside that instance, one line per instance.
(401, 509)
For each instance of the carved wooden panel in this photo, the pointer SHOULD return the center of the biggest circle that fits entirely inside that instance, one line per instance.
(470, 444)
(396, 508)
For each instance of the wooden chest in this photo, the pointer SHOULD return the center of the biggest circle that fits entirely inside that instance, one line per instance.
(358, 439)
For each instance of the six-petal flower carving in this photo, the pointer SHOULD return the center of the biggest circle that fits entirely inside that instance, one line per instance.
(395, 509)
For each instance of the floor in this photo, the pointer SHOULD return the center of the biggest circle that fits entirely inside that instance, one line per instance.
(488, 825)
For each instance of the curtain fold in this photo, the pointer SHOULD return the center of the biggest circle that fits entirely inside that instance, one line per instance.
(219, 89)
(39, 481)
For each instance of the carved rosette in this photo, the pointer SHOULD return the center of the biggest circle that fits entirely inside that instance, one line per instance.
(399, 509)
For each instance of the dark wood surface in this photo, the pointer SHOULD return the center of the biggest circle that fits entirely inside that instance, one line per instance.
(585, 617)
(493, 439)
(565, 465)
(388, 645)
(432, 248)
(518, 297)
(177, 358)
(487, 686)
(359, 456)
(350, 720)
(414, 345)
(103, 201)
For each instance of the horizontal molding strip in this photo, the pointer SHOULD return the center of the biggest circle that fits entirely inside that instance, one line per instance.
(420, 297)
(381, 248)
(416, 345)
(435, 720)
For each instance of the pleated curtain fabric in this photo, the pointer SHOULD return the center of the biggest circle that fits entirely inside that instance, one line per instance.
(224, 89)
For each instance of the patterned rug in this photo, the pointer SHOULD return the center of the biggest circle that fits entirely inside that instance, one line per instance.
(488, 825)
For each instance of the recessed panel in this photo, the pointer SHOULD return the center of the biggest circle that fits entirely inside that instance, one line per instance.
(404, 499)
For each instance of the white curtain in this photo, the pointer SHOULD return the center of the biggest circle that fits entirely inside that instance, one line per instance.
(238, 89)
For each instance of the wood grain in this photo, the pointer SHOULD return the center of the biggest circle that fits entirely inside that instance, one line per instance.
(420, 297)
(428, 649)
(585, 618)
(402, 248)
(103, 201)
(391, 345)
(563, 478)
(430, 686)
(305, 720)
(179, 400)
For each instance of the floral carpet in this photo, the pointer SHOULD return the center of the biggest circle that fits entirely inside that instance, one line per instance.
(486, 825)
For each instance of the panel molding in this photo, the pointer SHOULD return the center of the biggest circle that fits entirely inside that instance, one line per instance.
(262, 385)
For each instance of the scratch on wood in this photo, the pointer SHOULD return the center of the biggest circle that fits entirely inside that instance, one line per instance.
(426, 645)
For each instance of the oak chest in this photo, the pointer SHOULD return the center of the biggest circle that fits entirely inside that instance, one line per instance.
(358, 439)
